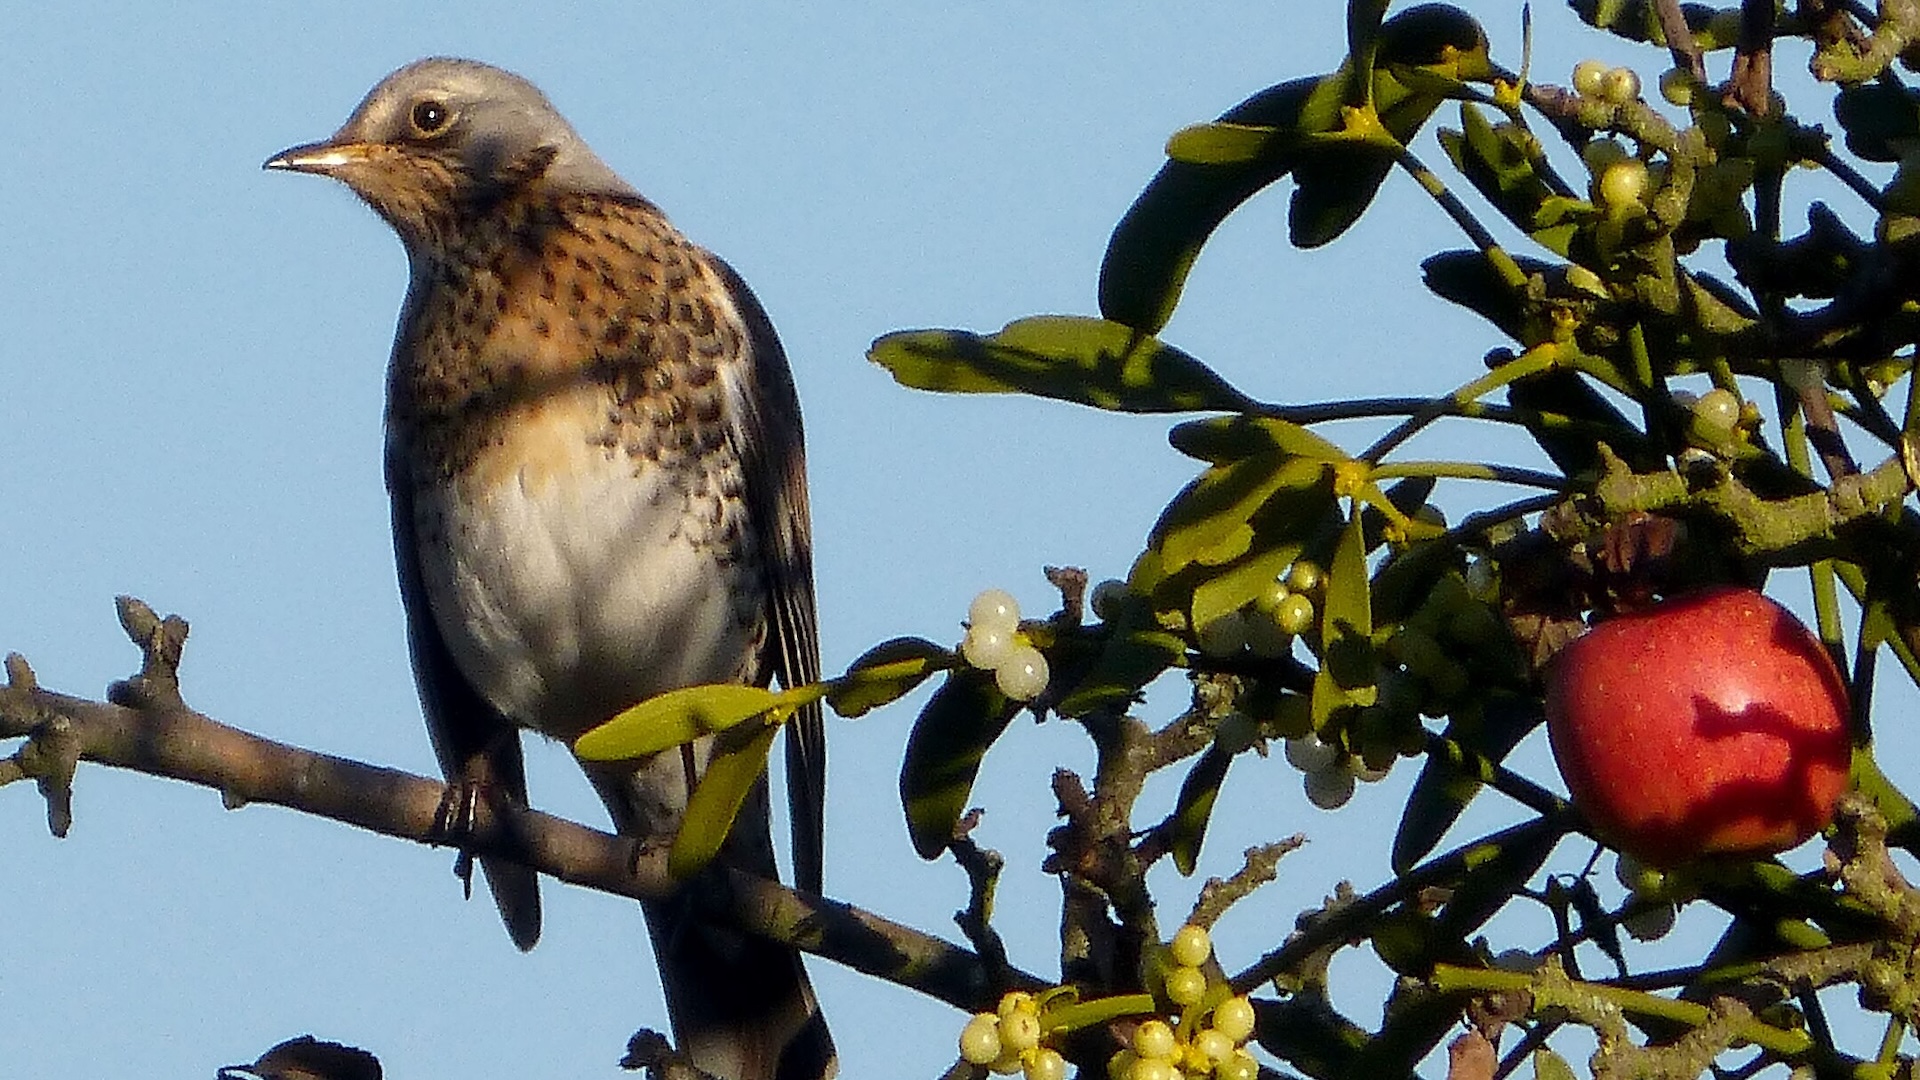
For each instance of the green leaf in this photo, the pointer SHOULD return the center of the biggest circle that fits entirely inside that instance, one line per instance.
(1451, 779)
(1210, 521)
(1495, 874)
(1085, 361)
(1879, 118)
(1219, 143)
(1132, 657)
(1466, 278)
(1347, 666)
(1575, 419)
(716, 802)
(673, 719)
(1218, 440)
(943, 755)
(885, 673)
(1241, 583)
(1156, 243)
(1498, 162)
(1188, 825)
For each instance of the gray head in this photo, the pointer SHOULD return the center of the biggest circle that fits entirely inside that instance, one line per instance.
(440, 136)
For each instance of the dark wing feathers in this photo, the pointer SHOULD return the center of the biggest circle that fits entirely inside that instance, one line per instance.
(475, 744)
(774, 449)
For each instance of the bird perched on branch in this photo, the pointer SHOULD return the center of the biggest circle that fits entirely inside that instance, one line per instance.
(598, 481)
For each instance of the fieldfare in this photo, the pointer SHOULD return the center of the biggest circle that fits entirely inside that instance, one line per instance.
(599, 494)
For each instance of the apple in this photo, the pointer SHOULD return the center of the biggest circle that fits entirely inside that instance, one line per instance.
(1712, 723)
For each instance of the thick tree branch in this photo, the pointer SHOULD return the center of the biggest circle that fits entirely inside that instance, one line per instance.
(160, 737)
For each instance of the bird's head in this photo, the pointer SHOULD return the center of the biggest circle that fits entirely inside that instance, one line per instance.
(442, 138)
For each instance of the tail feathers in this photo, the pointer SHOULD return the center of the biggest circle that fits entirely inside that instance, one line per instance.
(742, 1007)
(516, 892)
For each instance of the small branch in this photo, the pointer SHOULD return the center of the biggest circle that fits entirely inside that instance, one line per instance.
(1262, 865)
(1751, 86)
(983, 874)
(1680, 44)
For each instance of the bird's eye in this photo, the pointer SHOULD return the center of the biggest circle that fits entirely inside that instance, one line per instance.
(429, 117)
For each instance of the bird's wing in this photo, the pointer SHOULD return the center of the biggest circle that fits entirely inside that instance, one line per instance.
(766, 424)
(476, 745)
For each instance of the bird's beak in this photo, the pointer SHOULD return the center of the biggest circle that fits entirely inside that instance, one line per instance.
(325, 158)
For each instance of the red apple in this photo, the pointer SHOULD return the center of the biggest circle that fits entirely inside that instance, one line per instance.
(1711, 723)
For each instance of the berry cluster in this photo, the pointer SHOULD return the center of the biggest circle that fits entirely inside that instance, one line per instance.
(1328, 774)
(1204, 1043)
(1613, 85)
(995, 643)
(1267, 626)
(1008, 1041)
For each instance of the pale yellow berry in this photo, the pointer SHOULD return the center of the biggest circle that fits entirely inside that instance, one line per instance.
(1235, 732)
(1587, 77)
(1239, 1066)
(1651, 923)
(1295, 614)
(1234, 1018)
(1329, 789)
(1308, 754)
(1023, 674)
(1046, 1064)
(1624, 183)
(1716, 414)
(1191, 945)
(1017, 1001)
(1305, 576)
(1153, 1040)
(1224, 635)
(987, 646)
(1637, 877)
(1108, 598)
(1155, 1069)
(1019, 1031)
(994, 607)
(1186, 985)
(1120, 1065)
(1600, 153)
(1619, 86)
(1008, 1063)
(1214, 1044)
(980, 1039)
(1677, 86)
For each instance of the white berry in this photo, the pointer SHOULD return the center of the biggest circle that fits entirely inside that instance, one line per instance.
(980, 1039)
(1191, 945)
(1108, 597)
(1308, 754)
(1153, 1040)
(1329, 789)
(1234, 1018)
(994, 607)
(988, 646)
(1046, 1064)
(1023, 674)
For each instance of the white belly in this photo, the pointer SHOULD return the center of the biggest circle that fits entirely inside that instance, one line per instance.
(574, 581)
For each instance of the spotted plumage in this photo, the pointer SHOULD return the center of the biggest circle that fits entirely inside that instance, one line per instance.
(595, 461)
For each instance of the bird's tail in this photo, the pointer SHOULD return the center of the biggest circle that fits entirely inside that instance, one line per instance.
(741, 1006)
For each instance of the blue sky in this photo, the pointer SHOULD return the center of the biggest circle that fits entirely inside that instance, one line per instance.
(191, 414)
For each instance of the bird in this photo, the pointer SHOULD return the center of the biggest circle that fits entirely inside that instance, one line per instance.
(596, 466)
